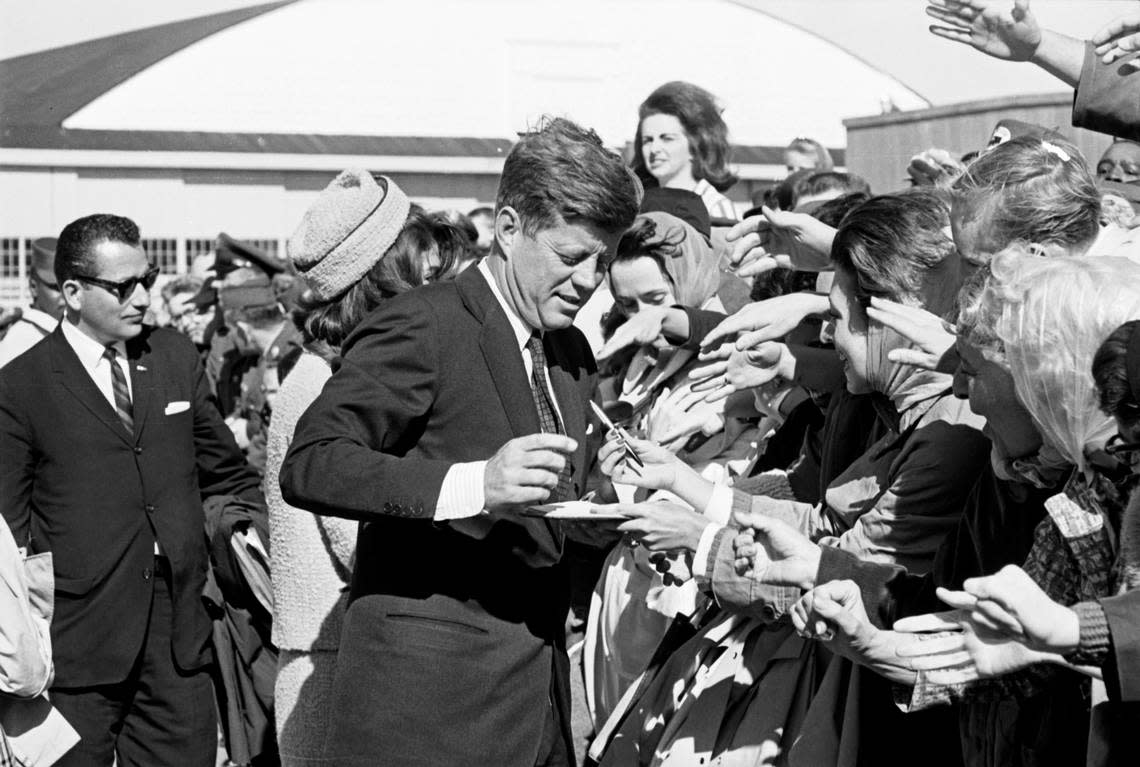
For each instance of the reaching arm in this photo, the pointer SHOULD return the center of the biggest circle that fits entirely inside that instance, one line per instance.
(1008, 32)
(346, 458)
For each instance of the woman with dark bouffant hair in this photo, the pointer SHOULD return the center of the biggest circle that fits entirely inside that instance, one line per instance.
(682, 143)
(359, 244)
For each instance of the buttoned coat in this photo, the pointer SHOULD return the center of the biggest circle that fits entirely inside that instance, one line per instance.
(75, 482)
(464, 619)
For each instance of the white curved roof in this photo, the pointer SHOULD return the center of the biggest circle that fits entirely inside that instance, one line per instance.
(489, 69)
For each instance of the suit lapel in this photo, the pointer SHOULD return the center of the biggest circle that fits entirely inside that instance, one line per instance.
(501, 351)
(142, 381)
(73, 377)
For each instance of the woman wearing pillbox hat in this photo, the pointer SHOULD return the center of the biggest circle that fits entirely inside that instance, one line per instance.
(358, 244)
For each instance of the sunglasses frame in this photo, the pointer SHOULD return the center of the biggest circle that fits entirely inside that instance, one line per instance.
(126, 288)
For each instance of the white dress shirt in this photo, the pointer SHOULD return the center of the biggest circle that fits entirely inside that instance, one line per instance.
(461, 494)
(90, 353)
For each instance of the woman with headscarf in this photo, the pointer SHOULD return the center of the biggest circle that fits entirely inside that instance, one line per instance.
(661, 263)
(740, 689)
(358, 245)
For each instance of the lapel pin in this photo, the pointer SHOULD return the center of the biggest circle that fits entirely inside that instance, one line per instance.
(140, 368)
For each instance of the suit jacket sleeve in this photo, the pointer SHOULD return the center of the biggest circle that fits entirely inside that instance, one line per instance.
(1107, 99)
(1123, 667)
(349, 456)
(222, 469)
(17, 464)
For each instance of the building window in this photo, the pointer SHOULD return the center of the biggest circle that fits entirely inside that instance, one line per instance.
(12, 284)
(269, 247)
(164, 253)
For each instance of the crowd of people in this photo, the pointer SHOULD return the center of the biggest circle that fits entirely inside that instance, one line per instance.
(604, 471)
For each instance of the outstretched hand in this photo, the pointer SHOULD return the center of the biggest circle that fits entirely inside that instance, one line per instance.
(834, 612)
(755, 323)
(772, 552)
(975, 652)
(932, 337)
(663, 525)
(934, 167)
(659, 470)
(994, 27)
(1010, 604)
(741, 370)
(780, 239)
(641, 329)
(1118, 38)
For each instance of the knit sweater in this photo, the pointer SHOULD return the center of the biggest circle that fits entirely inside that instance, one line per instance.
(311, 556)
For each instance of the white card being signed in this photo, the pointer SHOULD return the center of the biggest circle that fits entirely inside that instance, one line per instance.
(577, 510)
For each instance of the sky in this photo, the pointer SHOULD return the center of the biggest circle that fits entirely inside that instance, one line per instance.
(890, 34)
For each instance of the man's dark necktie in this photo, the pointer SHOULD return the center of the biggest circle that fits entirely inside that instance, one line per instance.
(547, 416)
(122, 393)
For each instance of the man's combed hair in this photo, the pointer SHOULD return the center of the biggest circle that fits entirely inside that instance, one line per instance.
(75, 251)
(562, 172)
(897, 248)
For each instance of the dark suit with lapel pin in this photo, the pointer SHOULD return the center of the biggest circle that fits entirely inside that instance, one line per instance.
(453, 646)
(74, 482)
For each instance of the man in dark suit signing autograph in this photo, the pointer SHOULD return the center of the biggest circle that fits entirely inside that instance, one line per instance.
(456, 405)
(109, 439)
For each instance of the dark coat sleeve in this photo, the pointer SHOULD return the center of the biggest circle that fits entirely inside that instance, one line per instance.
(222, 469)
(1107, 98)
(349, 455)
(996, 529)
(1123, 614)
(817, 369)
(701, 323)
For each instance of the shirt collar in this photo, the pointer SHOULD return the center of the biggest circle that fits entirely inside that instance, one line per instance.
(523, 331)
(89, 351)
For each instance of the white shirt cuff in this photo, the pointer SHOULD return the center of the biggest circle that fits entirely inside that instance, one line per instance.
(704, 548)
(719, 508)
(461, 495)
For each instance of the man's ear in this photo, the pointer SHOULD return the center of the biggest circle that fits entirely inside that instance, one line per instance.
(72, 291)
(508, 228)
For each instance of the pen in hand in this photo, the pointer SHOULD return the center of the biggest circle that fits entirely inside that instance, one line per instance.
(623, 437)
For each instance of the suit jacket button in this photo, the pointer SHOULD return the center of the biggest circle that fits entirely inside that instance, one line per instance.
(138, 450)
(147, 573)
(150, 508)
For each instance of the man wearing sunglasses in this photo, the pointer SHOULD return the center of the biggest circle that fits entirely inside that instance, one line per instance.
(109, 441)
(39, 319)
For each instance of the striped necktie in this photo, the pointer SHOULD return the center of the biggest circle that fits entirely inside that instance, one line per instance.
(547, 416)
(122, 393)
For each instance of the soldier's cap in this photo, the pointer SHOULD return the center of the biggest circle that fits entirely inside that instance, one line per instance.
(43, 257)
(231, 254)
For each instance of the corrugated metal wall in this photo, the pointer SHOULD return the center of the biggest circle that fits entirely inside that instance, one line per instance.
(879, 148)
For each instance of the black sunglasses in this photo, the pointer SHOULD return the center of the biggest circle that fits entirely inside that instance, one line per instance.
(125, 289)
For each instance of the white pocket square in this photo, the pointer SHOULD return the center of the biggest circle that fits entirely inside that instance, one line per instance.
(176, 407)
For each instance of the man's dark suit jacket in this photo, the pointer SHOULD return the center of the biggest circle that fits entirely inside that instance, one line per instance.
(452, 631)
(74, 482)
